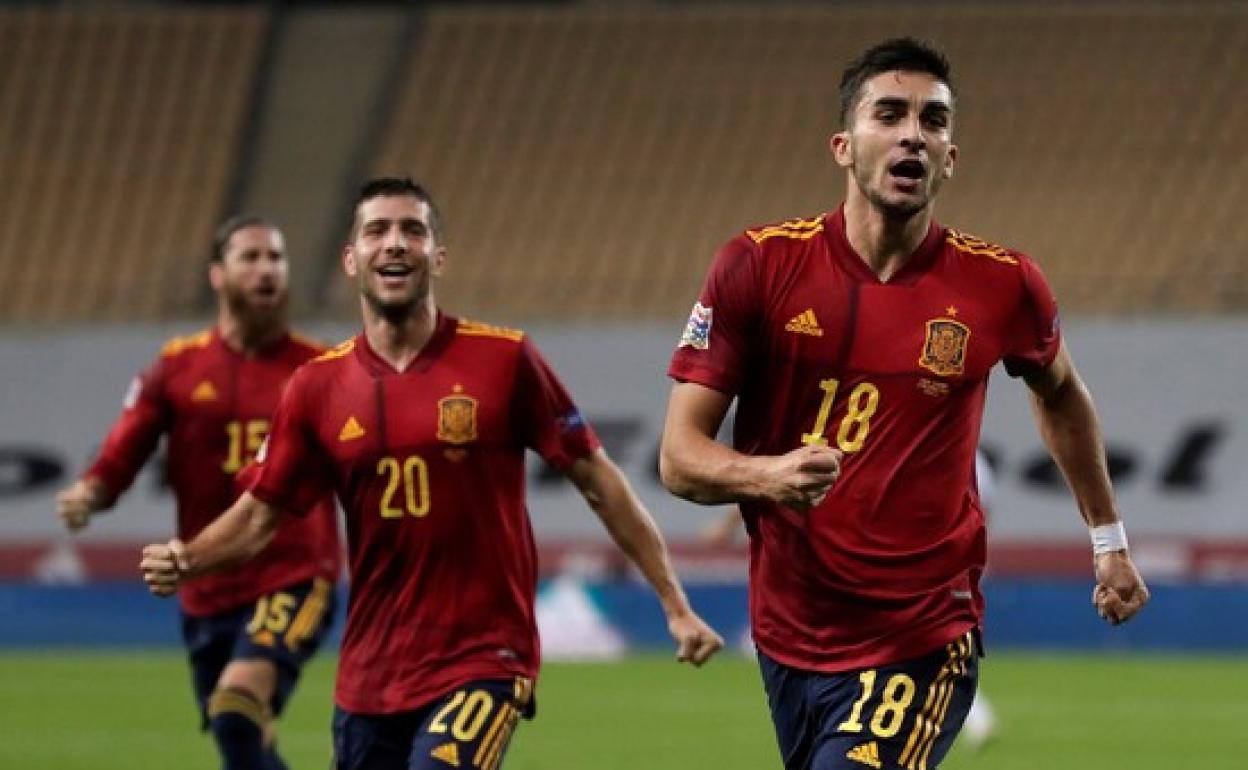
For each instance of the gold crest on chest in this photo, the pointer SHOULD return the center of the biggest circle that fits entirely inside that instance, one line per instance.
(944, 347)
(457, 418)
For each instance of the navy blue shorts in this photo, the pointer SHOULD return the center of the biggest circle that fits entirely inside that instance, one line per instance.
(470, 727)
(285, 627)
(903, 716)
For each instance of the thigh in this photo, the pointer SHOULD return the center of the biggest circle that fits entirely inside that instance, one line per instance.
(284, 629)
(790, 713)
(901, 716)
(472, 726)
(209, 646)
(374, 742)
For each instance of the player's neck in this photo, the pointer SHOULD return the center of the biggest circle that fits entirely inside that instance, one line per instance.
(885, 243)
(248, 335)
(398, 340)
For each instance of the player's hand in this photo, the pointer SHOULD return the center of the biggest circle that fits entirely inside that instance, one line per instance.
(163, 566)
(801, 478)
(696, 642)
(76, 503)
(1120, 591)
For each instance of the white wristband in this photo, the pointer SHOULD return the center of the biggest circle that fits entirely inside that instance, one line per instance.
(1108, 537)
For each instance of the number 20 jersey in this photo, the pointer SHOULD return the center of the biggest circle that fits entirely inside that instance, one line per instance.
(818, 350)
(429, 466)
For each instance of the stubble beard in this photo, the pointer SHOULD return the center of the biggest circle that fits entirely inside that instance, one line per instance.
(396, 311)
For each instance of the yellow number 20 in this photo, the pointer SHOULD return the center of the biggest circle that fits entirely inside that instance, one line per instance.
(863, 400)
(413, 476)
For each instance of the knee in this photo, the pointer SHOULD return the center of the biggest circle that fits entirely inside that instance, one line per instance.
(234, 711)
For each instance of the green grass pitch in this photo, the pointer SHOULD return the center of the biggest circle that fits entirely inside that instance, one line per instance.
(98, 711)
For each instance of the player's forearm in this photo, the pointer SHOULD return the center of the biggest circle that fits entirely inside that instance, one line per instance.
(234, 538)
(1070, 429)
(702, 470)
(634, 530)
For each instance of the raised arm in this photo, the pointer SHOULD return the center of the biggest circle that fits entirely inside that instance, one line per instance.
(632, 528)
(1067, 421)
(695, 466)
(233, 538)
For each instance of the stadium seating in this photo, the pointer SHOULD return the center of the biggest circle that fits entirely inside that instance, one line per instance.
(590, 159)
(118, 141)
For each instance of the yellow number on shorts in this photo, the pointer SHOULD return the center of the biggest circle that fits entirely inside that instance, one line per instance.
(245, 439)
(889, 715)
(864, 399)
(854, 723)
(473, 708)
(413, 476)
(898, 694)
(272, 613)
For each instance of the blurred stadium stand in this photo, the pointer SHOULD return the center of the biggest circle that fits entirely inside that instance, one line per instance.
(119, 139)
(590, 157)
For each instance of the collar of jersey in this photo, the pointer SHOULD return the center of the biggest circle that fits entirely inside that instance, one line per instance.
(443, 333)
(844, 255)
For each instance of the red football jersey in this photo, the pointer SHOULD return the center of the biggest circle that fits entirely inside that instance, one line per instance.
(817, 350)
(215, 404)
(429, 466)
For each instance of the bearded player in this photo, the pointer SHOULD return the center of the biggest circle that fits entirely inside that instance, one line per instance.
(248, 633)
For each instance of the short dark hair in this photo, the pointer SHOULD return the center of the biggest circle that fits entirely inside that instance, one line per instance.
(388, 186)
(900, 53)
(225, 231)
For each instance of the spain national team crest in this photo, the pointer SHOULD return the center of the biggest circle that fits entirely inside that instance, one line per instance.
(457, 418)
(944, 350)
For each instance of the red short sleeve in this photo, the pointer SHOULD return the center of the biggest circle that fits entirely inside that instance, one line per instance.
(291, 473)
(717, 338)
(547, 419)
(1035, 335)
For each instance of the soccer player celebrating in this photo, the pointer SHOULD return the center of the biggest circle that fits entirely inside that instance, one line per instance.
(249, 632)
(858, 344)
(420, 425)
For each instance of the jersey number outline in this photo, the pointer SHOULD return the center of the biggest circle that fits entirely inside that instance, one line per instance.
(862, 403)
(413, 476)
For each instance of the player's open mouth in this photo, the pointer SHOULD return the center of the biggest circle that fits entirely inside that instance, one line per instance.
(394, 271)
(908, 169)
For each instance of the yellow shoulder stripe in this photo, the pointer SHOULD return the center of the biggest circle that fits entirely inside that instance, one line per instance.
(338, 351)
(969, 244)
(178, 344)
(797, 229)
(317, 344)
(477, 329)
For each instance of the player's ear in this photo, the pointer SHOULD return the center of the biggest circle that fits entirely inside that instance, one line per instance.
(842, 150)
(216, 275)
(439, 260)
(349, 265)
(949, 161)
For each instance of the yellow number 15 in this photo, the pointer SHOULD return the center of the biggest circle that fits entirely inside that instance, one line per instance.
(863, 400)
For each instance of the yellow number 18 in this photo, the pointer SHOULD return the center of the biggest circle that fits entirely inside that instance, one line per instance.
(863, 400)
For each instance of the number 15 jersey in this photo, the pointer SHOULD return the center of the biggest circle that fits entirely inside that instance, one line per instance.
(818, 350)
(429, 466)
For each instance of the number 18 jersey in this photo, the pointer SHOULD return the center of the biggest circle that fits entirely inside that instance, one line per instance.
(818, 350)
(428, 464)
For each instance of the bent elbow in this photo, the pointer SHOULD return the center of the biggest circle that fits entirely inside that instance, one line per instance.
(672, 476)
